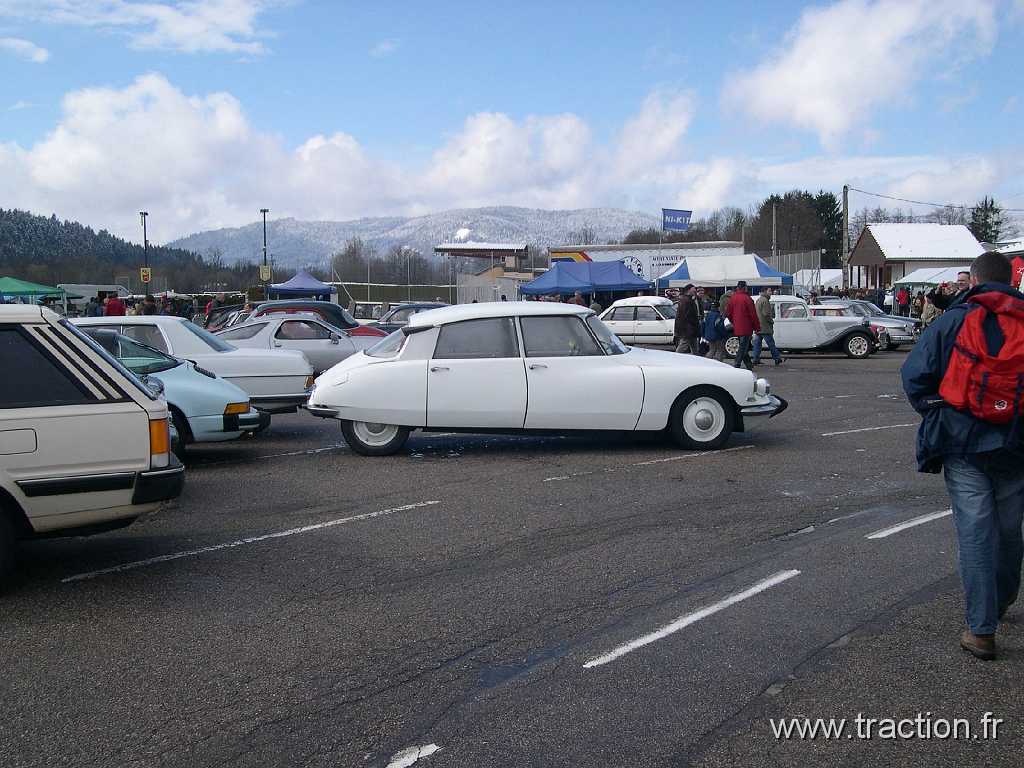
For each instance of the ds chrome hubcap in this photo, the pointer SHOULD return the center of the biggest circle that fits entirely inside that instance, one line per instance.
(704, 419)
(372, 433)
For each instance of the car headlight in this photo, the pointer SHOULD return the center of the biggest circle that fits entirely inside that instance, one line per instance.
(762, 388)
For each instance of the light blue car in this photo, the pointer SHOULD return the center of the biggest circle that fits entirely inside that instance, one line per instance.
(204, 407)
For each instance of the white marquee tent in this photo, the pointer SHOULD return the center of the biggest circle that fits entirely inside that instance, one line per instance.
(930, 276)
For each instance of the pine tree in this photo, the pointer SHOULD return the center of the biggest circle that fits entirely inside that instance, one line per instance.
(987, 221)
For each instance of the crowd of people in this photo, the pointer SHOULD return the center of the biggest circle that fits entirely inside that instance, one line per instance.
(700, 316)
(112, 305)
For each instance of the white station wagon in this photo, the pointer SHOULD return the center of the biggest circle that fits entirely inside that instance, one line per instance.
(642, 319)
(514, 366)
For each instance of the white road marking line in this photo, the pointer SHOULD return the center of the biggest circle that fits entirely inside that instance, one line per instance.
(691, 455)
(556, 479)
(691, 618)
(307, 452)
(843, 397)
(885, 532)
(250, 540)
(866, 429)
(407, 757)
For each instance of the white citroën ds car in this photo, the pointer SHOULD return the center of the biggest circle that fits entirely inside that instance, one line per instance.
(522, 366)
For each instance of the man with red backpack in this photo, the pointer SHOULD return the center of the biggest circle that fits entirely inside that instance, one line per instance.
(966, 379)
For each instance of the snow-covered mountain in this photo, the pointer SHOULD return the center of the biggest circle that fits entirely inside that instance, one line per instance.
(292, 242)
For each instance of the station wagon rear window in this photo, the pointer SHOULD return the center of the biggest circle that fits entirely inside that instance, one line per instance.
(40, 380)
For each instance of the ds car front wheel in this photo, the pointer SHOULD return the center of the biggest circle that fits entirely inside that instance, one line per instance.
(702, 419)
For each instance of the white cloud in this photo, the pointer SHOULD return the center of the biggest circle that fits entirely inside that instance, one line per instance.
(840, 62)
(189, 26)
(197, 162)
(24, 49)
(20, 105)
(384, 48)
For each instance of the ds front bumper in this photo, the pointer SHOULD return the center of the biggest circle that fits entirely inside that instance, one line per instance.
(322, 411)
(756, 415)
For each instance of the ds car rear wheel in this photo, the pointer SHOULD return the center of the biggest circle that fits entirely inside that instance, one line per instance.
(857, 346)
(372, 439)
(703, 419)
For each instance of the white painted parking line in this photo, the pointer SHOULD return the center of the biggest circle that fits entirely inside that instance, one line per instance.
(556, 479)
(407, 757)
(692, 455)
(251, 540)
(867, 429)
(885, 532)
(691, 618)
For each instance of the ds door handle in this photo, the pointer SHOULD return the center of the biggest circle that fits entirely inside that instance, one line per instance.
(535, 366)
(436, 368)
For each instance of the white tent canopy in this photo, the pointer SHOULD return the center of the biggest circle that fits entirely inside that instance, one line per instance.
(818, 278)
(722, 270)
(930, 276)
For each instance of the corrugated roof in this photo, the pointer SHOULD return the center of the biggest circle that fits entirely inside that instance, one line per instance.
(926, 242)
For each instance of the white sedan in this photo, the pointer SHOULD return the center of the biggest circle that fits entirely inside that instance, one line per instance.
(277, 381)
(642, 319)
(515, 366)
(321, 343)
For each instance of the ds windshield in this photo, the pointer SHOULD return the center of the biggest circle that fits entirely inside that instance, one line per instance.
(609, 341)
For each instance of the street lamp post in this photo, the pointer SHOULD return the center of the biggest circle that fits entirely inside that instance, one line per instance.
(266, 283)
(145, 238)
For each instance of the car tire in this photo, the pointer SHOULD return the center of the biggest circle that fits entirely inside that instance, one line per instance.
(732, 346)
(8, 547)
(183, 430)
(370, 439)
(702, 418)
(857, 346)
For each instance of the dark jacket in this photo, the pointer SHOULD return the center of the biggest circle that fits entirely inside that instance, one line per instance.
(944, 300)
(743, 315)
(944, 430)
(687, 323)
(714, 325)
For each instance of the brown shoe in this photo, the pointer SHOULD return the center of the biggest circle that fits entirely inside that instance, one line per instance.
(979, 646)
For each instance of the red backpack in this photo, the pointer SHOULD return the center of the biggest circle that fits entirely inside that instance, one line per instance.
(991, 387)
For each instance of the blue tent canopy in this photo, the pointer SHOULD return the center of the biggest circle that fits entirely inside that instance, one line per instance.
(566, 277)
(301, 284)
(723, 271)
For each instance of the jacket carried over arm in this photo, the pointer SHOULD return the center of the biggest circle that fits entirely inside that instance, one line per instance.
(945, 431)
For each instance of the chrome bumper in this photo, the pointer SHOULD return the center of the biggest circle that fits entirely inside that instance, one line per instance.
(756, 415)
(322, 411)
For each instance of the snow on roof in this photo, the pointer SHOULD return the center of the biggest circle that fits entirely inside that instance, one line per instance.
(818, 277)
(480, 247)
(926, 242)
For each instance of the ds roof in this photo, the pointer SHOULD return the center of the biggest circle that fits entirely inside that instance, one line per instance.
(457, 312)
(642, 301)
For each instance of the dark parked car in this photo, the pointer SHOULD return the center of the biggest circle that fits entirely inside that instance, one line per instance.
(398, 316)
(330, 312)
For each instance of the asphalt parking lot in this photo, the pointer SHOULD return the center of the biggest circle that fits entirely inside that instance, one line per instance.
(515, 601)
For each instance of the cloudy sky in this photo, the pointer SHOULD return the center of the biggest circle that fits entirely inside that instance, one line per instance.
(204, 111)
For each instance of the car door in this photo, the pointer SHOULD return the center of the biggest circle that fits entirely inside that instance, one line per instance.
(794, 326)
(621, 322)
(652, 328)
(71, 439)
(476, 377)
(571, 383)
(316, 341)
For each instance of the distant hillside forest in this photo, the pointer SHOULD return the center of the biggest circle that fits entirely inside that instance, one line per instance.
(50, 251)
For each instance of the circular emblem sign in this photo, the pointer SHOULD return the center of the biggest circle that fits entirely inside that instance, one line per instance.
(635, 265)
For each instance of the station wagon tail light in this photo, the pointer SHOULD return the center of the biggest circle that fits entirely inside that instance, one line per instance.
(159, 443)
(236, 408)
(310, 381)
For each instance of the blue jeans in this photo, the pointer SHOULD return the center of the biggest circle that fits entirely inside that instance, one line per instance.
(988, 506)
(770, 338)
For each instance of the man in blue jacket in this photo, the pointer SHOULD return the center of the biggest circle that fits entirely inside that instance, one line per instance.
(983, 462)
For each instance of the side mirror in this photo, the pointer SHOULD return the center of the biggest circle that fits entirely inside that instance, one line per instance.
(335, 338)
(153, 384)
